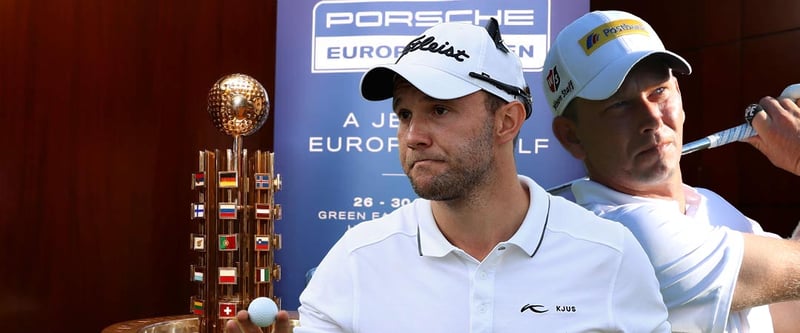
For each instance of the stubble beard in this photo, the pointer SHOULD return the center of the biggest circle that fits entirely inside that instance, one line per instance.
(468, 170)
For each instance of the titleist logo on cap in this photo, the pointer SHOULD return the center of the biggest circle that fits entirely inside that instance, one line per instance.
(425, 43)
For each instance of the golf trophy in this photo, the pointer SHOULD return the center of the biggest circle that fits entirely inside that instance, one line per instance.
(233, 219)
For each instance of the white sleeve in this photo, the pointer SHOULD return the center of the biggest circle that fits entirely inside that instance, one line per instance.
(326, 304)
(696, 264)
(636, 304)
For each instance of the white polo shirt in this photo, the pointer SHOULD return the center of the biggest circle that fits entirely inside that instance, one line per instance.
(565, 270)
(696, 255)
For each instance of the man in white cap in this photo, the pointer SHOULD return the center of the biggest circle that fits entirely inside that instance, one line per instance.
(483, 249)
(611, 84)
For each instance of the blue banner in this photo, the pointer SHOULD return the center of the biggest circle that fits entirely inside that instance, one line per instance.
(338, 153)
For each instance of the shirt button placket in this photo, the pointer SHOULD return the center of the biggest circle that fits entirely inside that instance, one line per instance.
(483, 295)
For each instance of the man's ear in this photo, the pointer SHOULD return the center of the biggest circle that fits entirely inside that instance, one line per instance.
(565, 131)
(508, 121)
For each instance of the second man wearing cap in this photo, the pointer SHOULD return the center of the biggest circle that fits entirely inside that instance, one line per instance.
(623, 117)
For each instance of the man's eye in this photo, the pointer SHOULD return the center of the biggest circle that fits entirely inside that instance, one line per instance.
(618, 105)
(403, 114)
(440, 110)
(662, 93)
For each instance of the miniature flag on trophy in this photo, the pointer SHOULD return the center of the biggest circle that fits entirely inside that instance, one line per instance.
(227, 310)
(198, 179)
(196, 306)
(262, 274)
(228, 179)
(198, 210)
(262, 243)
(227, 211)
(262, 211)
(197, 273)
(227, 275)
(262, 181)
(228, 242)
(198, 242)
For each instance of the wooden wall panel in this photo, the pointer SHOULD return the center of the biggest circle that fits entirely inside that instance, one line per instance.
(766, 17)
(715, 22)
(684, 24)
(769, 64)
(716, 68)
(102, 112)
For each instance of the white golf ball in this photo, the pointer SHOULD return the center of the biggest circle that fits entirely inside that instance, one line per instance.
(262, 311)
(792, 91)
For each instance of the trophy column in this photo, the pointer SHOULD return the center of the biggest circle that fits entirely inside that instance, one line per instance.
(235, 213)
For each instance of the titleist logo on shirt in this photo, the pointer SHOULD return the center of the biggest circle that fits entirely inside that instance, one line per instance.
(430, 44)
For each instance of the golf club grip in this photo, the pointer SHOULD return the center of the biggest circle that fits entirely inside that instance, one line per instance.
(727, 136)
(737, 133)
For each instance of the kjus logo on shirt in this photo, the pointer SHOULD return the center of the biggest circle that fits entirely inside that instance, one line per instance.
(539, 308)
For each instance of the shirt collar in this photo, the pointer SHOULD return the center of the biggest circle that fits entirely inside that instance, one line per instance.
(430, 240)
(432, 243)
(590, 192)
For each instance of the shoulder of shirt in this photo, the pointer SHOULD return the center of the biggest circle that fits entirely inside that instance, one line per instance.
(579, 223)
(400, 222)
(631, 214)
(709, 194)
(615, 206)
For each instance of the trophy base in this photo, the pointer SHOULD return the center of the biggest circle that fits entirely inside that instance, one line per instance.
(169, 324)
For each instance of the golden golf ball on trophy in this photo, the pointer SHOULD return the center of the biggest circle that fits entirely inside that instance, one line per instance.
(238, 105)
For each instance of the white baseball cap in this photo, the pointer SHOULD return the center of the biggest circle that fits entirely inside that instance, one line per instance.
(452, 60)
(592, 56)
